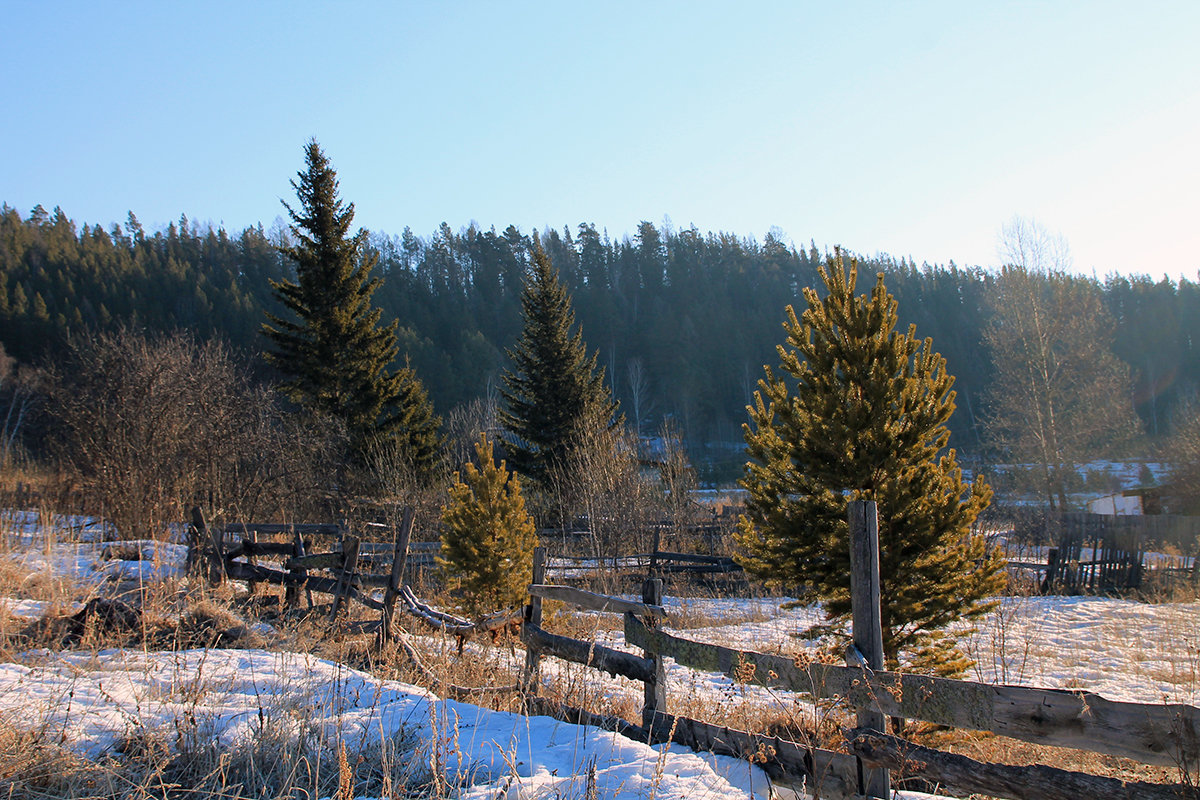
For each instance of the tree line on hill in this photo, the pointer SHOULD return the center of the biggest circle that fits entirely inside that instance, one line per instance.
(683, 321)
(854, 404)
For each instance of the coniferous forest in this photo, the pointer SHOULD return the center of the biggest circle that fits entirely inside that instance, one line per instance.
(683, 320)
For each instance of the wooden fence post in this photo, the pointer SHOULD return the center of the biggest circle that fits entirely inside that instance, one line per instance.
(531, 681)
(1052, 569)
(655, 546)
(249, 546)
(396, 578)
(346, 577)
(195, 539)
(216, 537)
(297, 577)
(656, 687)
(867, 623)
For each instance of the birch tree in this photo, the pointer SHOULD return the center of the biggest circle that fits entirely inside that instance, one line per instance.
(1059, 396)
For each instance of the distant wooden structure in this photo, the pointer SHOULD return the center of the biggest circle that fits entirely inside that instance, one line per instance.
(1100, 553)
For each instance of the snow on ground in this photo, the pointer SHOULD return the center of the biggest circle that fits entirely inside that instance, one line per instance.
(93, 563)
(1121, 649)
(34, 609)
(95, 701)
(29, 524)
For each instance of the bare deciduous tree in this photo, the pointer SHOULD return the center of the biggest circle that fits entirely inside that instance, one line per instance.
(1059, 396)
(1183, 454)
(20, 389)
(600, 485)
(640, 401)
(677, 480)
(150, 426)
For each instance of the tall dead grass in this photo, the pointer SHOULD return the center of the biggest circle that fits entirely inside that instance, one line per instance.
(284, 757)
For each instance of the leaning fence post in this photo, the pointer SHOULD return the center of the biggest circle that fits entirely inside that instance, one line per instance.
(396, 578)
(656, 687)
(345, 584)
(216, 567)
(533, 669)
(867, 623)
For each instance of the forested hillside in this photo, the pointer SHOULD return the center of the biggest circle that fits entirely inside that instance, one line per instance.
(683, 320)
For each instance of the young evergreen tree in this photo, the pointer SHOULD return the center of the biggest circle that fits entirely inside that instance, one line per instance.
(487, 535)
(866, 420)
(335, 353)
(555, 392)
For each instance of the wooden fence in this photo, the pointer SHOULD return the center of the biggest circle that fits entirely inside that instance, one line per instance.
(351, 570)
(1161, 734)
(1098, 553)
(233, 551)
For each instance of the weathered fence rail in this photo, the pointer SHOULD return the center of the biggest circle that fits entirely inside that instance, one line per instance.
(345, 571)
(237, 559)
(1166, 734)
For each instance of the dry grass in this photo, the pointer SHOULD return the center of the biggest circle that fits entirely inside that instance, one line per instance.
(689, 615)
(285, 757)
(285, 760)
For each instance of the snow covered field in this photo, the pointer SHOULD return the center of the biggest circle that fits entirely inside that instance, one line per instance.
(96, 702)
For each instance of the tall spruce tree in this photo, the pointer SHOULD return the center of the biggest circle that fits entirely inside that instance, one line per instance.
(555, 390)
(864, 417)
(335, 353)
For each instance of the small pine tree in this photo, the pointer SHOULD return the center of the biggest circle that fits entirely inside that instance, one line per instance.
(555, 391)
(866, 420)
(487, 535)
(334, 351)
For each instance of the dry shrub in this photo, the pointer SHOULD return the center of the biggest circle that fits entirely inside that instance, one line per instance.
(150, 426)
(1168, 586)
(207, 623)
(33, 765)
(601, 486)
(20, 582)
(481, 664)
(689, 616)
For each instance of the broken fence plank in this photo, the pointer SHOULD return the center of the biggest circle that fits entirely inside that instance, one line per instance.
(826, 773)
(244, 572)
(316, 561)
(315, 529)
(544, 706)
(614, 662)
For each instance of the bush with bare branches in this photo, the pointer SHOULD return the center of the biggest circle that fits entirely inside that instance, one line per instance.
(148, 426)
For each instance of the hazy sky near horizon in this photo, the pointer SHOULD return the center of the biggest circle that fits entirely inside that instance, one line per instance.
(915, 129)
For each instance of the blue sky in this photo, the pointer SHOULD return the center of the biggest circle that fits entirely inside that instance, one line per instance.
(916, 129)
